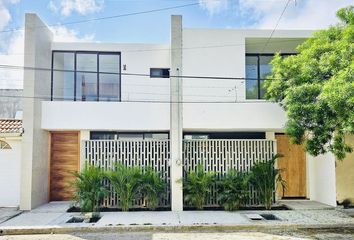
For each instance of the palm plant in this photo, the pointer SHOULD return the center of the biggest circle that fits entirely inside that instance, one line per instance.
(152, 187)
(126, 182)
(233, 189)
(197, 185)
(265, 178)
(89, 188)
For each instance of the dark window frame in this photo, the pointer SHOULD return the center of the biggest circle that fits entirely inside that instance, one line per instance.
(135, 132)
(75, 71)
(162, 72)
(258, 55)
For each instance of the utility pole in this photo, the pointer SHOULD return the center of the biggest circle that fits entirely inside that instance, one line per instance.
(176, 114)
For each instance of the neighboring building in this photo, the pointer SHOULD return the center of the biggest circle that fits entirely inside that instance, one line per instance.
(10, 161)
(132, 94)
(10, 103)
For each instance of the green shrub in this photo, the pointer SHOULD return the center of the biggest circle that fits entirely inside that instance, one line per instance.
(89, 188)
(233, 189)
(126, 182)
(265, 178)
(153, 187)
(197, 185)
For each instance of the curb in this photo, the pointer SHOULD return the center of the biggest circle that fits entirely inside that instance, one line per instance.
(199, 228)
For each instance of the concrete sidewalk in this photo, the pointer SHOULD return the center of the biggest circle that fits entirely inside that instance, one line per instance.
(53, 217)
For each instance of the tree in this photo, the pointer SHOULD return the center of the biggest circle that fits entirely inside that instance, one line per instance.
(316, 88)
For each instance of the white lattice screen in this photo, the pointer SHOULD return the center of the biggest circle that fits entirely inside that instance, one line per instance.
(144, 153)
(221, 155)
(215, 155)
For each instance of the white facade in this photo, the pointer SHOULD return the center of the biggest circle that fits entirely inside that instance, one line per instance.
(10, 162)
(213, 105)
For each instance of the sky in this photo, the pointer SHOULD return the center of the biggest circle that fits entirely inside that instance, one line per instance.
(153, 27)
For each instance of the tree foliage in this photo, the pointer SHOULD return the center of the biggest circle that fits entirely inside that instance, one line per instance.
(316, 88)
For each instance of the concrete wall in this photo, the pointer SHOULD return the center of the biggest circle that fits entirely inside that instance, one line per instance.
(105, 116)
(247, 116)
(34, 165)
(322, 178)
(10, 161)
(345, 175)
(155, 116)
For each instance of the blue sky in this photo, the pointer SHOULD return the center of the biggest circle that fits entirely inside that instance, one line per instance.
(154, 27)
(150, 27)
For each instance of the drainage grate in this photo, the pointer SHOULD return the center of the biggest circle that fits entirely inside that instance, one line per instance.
(81, 220)
(75, 220)
(254, 217)
(269, 217)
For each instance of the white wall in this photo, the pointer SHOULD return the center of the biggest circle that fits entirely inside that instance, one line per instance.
(105, 116)
(252, 116)
(10, 162)
(321, 178)
(156, 116)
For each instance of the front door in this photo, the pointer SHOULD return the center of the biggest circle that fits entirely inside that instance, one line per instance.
(293, 164)
(64, 160)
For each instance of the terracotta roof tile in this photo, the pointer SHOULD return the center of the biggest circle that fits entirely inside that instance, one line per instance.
(10, 126)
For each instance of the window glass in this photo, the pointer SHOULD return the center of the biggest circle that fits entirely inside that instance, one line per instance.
(86, 86)
(109, 87)
(63, 85)
(251, 77)
(109, 63)
(85, 73)
(159, 72)
(131, 136)
(156, 136)
(86, 62)
(265, 68)
(63, 61)
(196, 136)
(103, 135)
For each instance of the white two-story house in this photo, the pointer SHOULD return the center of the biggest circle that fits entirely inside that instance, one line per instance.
(196, 99)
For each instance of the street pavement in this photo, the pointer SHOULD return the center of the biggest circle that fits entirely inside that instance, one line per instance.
(278, 235)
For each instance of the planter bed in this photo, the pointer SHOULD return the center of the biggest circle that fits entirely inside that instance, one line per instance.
(216, 208)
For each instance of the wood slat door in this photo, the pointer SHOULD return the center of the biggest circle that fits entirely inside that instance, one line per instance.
(294, 164)
(64, 159)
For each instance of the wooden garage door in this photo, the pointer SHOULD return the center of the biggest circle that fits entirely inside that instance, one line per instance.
(64, 160)
(294, 164)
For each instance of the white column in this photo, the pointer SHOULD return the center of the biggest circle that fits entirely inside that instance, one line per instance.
(176, 118)
(36, 87)
(84, 135)
(270, 135)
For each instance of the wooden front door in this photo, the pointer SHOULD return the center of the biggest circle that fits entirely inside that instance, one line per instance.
(64, 159)
(293, 164)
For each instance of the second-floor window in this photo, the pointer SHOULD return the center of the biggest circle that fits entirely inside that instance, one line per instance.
(86, 76)
(257, 68)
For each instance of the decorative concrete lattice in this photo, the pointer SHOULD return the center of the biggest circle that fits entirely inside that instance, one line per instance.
(143, 153)
(215, 155)
(220, 156)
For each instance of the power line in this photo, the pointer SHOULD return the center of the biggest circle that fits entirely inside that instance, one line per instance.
(190, 48)
(135, 101)
(105, 18)
(16, 67)
(276, 25)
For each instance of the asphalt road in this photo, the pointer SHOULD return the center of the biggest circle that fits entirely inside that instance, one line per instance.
(282, 235)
